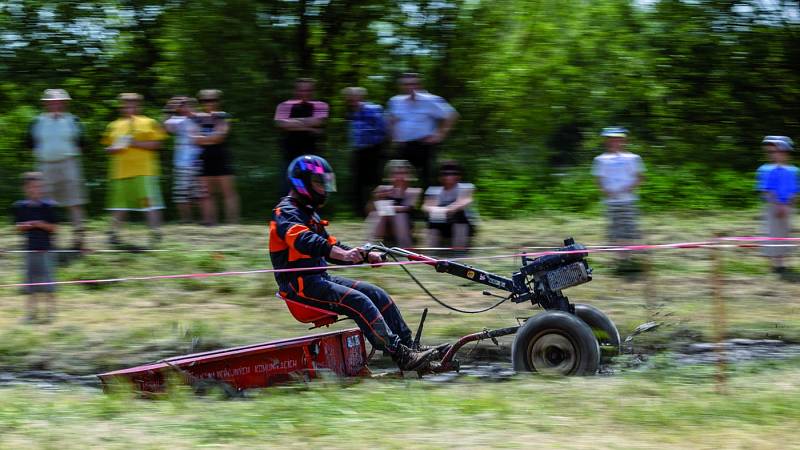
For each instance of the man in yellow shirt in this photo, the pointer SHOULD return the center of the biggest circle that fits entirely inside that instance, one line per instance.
(132, 142)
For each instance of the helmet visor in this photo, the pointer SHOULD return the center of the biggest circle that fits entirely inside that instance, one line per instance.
(326, 180)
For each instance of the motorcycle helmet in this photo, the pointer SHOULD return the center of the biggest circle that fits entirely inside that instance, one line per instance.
(304, 171)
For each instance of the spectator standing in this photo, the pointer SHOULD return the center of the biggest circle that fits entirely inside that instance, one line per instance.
(619, 173)
(449, 208)
(36, 218)
(187, 188)
(217, 160)
(419, 121)
(56, 138)
(394, 205)
(780, 191)
(761, 178)
(367, 136)
(302, 121)
(132, 142)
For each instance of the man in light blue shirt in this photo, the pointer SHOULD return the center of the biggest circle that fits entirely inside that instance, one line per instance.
(419, 121)
(56, 138)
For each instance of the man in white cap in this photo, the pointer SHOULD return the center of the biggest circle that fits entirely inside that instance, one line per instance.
(619, 173)
(56, 138)
(779, 187)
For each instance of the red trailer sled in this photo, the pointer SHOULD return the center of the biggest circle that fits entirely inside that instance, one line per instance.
(342, 353)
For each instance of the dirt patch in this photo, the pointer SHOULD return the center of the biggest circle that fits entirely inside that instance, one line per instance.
(47, 380)
(736, 351)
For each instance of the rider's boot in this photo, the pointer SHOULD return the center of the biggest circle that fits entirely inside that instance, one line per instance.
(408, 359)
(441, 349)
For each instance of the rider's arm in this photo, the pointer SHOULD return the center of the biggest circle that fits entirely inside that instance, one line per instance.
(342, 254)
(291, 228)
(303, 242)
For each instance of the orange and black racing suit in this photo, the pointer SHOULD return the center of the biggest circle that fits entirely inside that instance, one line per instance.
(298, 239)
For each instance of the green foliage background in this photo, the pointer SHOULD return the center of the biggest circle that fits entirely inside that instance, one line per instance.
(698, 83)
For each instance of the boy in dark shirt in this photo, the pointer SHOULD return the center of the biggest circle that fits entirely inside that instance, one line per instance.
(36, 217)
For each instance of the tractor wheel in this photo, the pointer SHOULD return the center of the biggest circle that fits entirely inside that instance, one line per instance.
(555, 343)
(603, 328)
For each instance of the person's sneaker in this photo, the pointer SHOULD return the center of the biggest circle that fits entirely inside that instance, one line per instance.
(408, 359)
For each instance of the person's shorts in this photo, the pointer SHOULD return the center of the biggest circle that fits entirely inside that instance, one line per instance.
(63, 181)
(186, 184)
(217, 161)
(777, 227)
(39, 269)
(141, 193)
(623, 222)
(446, 228)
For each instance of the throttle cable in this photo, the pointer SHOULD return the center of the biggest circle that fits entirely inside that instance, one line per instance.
(452, 308)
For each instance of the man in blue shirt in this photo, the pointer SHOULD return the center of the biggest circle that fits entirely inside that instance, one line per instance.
(367, 136)
(779, 190)
(419, 121)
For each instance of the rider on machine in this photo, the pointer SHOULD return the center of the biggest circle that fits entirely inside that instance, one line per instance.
(298, 239)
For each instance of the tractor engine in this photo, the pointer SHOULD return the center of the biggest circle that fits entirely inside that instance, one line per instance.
(542, 279)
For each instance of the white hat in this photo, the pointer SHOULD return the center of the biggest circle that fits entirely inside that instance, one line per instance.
(51, 95)
(617, 132)
(783, 143)
(129, 97)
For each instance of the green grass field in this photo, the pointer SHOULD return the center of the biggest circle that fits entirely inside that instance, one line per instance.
(110, 326)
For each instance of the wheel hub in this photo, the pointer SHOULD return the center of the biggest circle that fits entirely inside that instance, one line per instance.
(553, 353)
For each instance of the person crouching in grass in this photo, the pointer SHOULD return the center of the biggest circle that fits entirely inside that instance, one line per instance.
(780, 191)
(36, 218)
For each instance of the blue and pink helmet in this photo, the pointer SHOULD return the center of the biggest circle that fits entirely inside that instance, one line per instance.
(304, 171)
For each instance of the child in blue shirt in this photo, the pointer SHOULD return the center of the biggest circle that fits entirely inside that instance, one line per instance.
(36, 218)
(779, 186)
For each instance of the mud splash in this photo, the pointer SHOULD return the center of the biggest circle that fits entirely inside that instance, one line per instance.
(736, 351)
(47, 380)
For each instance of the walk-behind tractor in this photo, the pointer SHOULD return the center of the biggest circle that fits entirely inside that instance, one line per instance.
(564, 339)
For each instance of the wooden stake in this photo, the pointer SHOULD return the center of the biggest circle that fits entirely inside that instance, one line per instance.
(649, 291)
(718, 316)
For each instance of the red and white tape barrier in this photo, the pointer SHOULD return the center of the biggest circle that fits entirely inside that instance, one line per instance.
(750, 242)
